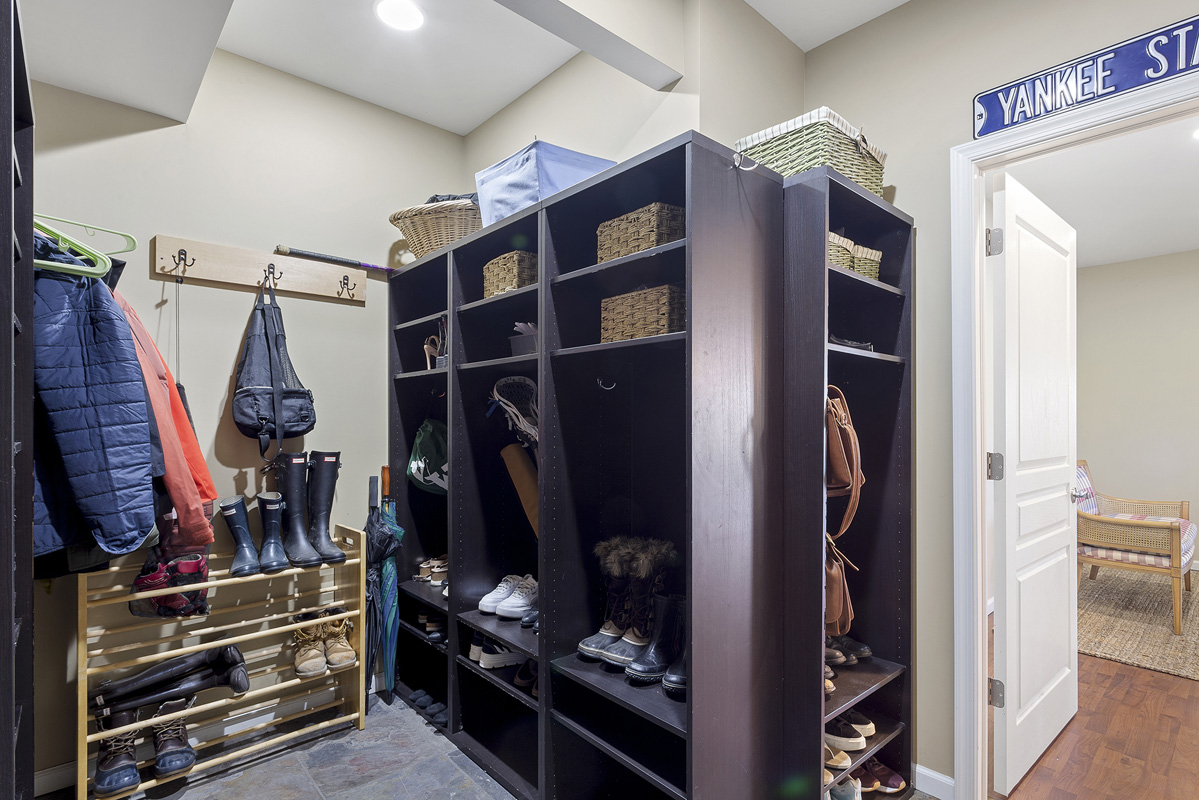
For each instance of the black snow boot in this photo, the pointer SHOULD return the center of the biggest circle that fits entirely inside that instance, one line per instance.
(322, 483)
(655, 659)
(291, 479)
(272, 558)
(650, 559)
(245, 558)
(675, 679)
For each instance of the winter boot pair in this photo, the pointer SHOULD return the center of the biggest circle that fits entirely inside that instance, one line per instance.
(311, 482)
(246, 559)
(116, 762)
(325, 647)
(633, 571)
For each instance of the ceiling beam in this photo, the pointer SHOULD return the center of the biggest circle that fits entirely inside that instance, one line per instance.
(600, 30)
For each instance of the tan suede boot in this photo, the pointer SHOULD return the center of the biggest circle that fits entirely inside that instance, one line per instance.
(338, 653)
(310, 647)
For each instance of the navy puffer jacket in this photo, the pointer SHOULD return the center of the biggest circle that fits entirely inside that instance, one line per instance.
(91, 402)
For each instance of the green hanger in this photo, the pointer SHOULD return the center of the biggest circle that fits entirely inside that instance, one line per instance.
(130, 241)
(102, 261)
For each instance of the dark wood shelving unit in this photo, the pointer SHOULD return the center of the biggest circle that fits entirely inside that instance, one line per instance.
(501, 678)
(822, 299)
(408, 627)
(628, 433)
(886, 731)
(426, 593)
(436, 372)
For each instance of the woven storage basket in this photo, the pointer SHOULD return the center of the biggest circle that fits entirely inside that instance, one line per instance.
(509, 271)
(432, 226)
(821, 137)
(840, 251)
(866, 261)
(655, 224)
(645, 312)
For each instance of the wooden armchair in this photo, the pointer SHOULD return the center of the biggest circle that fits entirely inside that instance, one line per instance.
(1140, 535)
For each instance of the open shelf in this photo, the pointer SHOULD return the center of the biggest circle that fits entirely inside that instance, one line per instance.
(500, 678)
(427, 594)
(431, 319)
(503, 298)
(419, 634)
(649, 701)
(506, 632)
(504, 775)
(605, 743)
(439, 372)
(856, 353)
(859, 682)
(419, 290)
(510, 361)
(662, 264)
(661, 340)
(858, 281)
(885, 731)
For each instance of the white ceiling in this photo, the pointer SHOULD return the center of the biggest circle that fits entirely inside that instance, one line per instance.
(1131, 196)
(471, 58)
(147, 54)
(810, 23)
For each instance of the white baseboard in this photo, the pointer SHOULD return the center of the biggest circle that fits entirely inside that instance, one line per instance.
(53, 779)
(934, 783)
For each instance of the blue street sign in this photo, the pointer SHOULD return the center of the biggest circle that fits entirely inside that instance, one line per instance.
(1155, 57)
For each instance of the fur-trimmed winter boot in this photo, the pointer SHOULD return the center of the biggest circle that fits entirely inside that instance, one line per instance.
(614, 555)
(650, 559)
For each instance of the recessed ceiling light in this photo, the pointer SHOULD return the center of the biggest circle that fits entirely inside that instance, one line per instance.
(403, 15)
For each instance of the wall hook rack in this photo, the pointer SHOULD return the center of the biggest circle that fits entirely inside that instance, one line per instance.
(181, 260)
(269, 274)
(346, 287)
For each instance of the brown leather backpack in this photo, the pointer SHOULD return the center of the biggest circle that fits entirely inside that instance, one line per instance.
(843, 476)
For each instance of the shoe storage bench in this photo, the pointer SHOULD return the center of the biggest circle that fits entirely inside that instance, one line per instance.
(253, 612)
(676, 436)
(822, 300)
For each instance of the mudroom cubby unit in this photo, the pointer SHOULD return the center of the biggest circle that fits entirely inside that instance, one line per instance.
(676, 437)
(823, 301)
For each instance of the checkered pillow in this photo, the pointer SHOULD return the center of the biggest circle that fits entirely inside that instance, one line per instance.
(1088, 503)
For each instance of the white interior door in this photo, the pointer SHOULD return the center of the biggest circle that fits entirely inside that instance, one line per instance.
(1036, 591)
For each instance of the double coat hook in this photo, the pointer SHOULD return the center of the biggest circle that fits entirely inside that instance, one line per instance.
(269, 274)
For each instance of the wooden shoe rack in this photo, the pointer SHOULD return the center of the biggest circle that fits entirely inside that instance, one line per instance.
(253, 612)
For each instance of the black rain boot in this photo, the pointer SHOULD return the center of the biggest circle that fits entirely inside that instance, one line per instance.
(229, 670)
(614, 555)
(172, 752)
(322, 483)
(162, 673)
(651, 665)
(245, 558)
(650, 560)
(272, 559)
(291, 479)
(116, 766)
(675, 679)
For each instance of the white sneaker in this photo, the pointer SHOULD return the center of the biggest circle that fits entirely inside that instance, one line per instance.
(495, 655)
(517, 604)
(502, 592)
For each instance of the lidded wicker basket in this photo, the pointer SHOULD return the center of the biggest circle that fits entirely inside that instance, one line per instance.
(840, 251)
(818, 138)
(432, 226)
(644, 312)
(509, 271)
(649, 226)
(866, 261)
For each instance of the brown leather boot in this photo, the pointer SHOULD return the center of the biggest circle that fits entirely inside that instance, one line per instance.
(172, 752)
(116, 766)
(338, 653)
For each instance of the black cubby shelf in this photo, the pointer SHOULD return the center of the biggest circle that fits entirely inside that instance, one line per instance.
(661, 264)
(856, 279)
(431, 319)
(507, 777)
(858, 682)
(509, 361)
(661, 340)
(856, 353)
(613, 751)
(419, 634)
(506, 632)
(500, 678)
(426, 593)
(437, 372)
(648, 701)
(503, 298)
(885, 730)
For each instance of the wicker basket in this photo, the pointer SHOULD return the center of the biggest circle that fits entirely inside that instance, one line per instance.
(432, 226)
(655, 224)
(866, 261)
(645, 312)
(816, 139)
(509, 271)
(840, 251)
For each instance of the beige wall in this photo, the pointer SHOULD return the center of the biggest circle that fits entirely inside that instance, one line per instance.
(1137, 387)
(909, 78)
(265, 159)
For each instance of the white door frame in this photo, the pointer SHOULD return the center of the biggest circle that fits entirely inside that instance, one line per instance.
(968, 163)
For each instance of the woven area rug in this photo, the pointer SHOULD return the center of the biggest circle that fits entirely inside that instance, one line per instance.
(1128, 617)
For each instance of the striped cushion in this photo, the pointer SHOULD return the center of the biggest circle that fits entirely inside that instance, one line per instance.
(1146, 559)
(1088, 503)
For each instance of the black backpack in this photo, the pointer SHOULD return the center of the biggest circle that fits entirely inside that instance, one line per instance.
(267, 388)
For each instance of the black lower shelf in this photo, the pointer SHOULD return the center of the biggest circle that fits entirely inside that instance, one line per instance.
(428, 594)
(859, 682)
(649, 772)
(648, 701)
(885, 731)
(501, 678)
(494, 766)
(419, 634)
(505, 631)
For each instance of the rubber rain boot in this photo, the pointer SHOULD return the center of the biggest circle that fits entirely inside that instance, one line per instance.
(291, 480)
(322, 483)
(272, 558)
(116, 766)
(656, 658)
(172, 752)
(245, 558)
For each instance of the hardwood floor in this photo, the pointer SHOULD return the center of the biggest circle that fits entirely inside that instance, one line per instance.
(1136, 735)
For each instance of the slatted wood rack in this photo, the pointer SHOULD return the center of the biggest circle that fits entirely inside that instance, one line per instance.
(255, 610)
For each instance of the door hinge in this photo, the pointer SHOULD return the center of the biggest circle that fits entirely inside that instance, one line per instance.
(994, 693)
(994, 241)
(994, 466)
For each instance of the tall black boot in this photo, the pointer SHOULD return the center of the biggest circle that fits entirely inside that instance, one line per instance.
(272, 558)
(231, 673)
(653, 661)
(245, 558)
(162, 673)
(291, 479)
(116, 765)
(322, 483)
(675, 679)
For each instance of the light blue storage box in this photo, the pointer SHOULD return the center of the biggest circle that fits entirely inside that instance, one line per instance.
(531, 175)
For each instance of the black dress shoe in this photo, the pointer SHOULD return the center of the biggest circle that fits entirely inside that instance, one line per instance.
(848, 659)
(851, 647)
